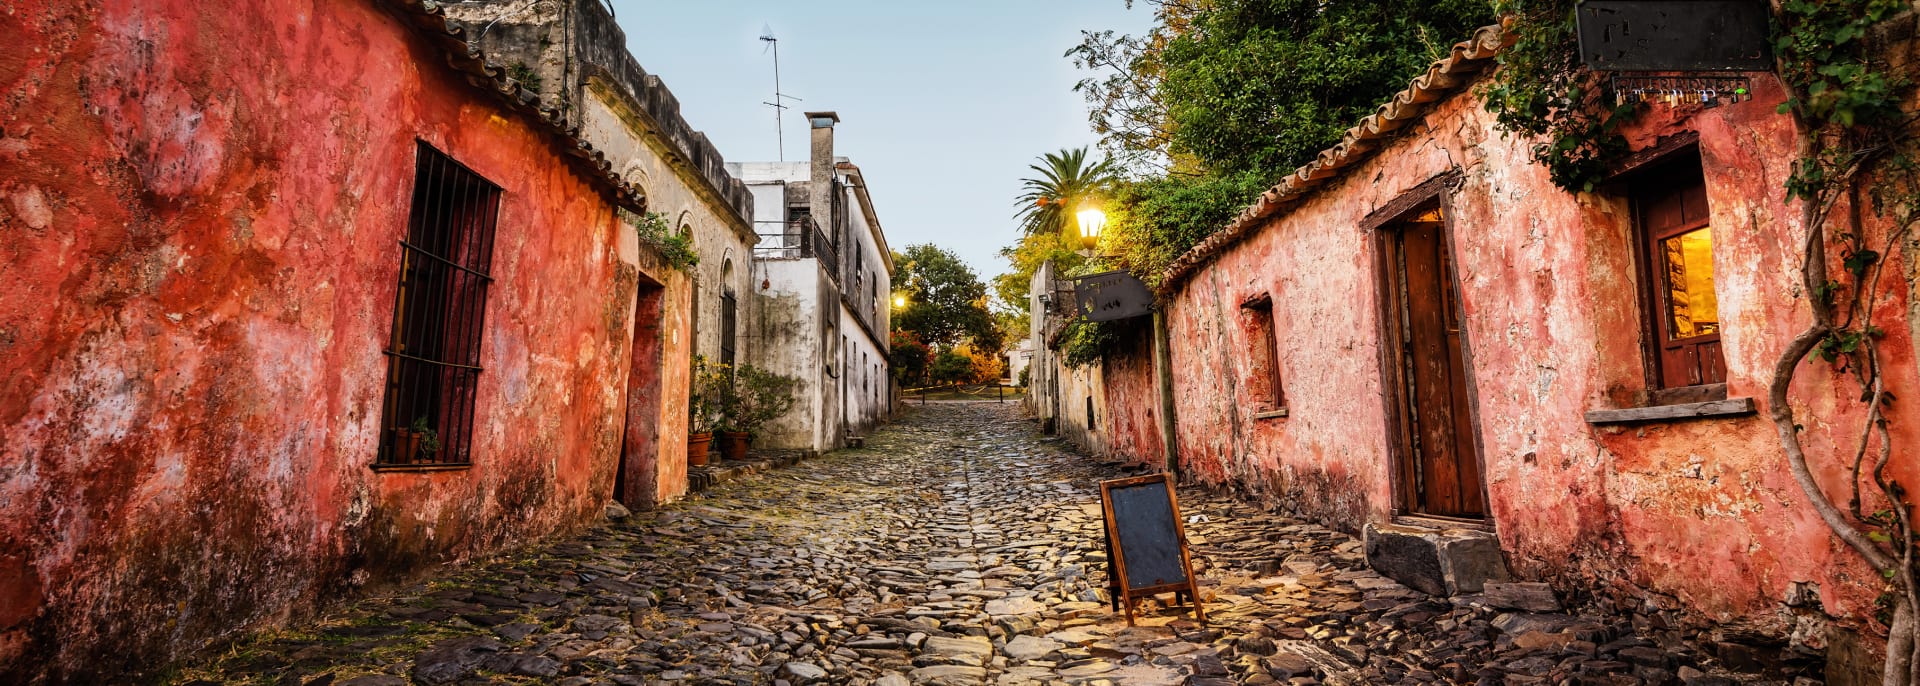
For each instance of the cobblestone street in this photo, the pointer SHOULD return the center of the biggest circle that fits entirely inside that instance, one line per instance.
(958, 547)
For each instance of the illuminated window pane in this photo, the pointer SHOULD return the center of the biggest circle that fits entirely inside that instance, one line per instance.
(1692, 306)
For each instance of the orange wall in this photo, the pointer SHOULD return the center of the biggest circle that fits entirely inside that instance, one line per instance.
(201, 204)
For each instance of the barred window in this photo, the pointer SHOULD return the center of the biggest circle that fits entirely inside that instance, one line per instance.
(433, 358)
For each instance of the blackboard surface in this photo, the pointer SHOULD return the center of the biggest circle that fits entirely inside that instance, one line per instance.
(1149, 537)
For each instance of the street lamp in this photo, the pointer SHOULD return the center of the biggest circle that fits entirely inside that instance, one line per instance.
(1091, 221)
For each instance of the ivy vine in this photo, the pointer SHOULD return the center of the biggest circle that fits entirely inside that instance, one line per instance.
(1542, 91)
(652, 228)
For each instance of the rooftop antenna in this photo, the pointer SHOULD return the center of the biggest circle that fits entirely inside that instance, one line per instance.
(779, 103)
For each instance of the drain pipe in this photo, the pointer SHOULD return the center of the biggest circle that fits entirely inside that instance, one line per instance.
(1163, 378)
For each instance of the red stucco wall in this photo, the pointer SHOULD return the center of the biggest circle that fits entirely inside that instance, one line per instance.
(1702, 512)
(200, 204)
(1132, 400)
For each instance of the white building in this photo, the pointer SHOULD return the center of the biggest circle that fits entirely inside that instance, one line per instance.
(1019, 360)
(821, 288)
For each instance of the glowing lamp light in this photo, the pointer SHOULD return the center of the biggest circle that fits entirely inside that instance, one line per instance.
(1091, 221)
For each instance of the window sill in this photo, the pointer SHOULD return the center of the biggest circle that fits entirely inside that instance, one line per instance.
(422, 467)
(1731, 407)
(1271, 414)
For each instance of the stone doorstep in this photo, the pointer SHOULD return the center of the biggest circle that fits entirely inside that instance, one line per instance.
(1438, 562)
(718, 470)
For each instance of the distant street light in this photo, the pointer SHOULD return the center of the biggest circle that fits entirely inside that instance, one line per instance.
(1091, 221)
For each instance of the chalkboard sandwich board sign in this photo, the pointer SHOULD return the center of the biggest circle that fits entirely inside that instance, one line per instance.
(1146, 544)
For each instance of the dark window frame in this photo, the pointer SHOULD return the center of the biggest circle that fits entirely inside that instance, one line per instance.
(1676, 170)
(439, 316)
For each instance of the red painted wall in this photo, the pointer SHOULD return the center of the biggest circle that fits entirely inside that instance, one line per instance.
(200, 204)
(1700, 512)
(1132, 400)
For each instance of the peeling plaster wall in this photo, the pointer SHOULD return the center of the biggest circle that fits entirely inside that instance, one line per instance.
(1700, 513)
(1077, 388)
(200, 270)
(787, 341)
(866, 399)
(1132, 399)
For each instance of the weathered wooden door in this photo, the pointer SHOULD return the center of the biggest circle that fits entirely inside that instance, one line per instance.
(1439, 465)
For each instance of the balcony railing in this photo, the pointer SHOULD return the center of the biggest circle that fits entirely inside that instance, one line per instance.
(797, 239)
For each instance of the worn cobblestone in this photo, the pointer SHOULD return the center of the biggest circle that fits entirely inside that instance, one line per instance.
(958, 547)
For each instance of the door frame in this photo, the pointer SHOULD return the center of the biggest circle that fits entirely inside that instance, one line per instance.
(1435, 191)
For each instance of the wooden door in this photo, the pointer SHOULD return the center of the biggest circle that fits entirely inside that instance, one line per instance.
(1439, 461)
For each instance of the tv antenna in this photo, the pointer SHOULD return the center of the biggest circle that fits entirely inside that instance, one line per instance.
(779, 103)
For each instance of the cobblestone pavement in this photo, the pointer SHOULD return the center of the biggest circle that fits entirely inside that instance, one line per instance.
(959, 547)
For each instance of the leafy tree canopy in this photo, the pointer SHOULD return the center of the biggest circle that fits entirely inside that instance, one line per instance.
(946, 302)
(1264, 85)
(1220, 100)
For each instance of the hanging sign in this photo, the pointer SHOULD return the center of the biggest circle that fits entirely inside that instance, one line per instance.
(1111, 296)
(1674, 35)
(1146, 544)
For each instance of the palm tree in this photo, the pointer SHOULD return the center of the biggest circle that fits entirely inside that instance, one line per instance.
(1066, 181)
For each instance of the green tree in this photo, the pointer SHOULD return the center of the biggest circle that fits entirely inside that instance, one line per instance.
(1234, 94)
(1012, 289)
(909, 356)
(951, 367)
(1264, 85)
(1066, 181)
(946, 302)
(1158, 220)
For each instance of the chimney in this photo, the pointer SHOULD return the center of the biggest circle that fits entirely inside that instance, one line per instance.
(820, 182)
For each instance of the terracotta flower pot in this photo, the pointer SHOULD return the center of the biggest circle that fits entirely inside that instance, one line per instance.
(733, 444)
(697, 449)
(406, 445)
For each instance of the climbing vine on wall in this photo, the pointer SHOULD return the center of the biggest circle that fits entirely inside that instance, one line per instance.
(1541, 90)
(653, 229)
(1856, 158)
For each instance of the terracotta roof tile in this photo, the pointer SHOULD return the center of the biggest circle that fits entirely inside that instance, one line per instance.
(1441, 80)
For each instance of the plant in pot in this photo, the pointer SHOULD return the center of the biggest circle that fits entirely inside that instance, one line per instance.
(411, 443)
(706, 395)
(732, 438)
(756, 397)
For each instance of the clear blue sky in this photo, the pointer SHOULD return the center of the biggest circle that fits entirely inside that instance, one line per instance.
(942, 104)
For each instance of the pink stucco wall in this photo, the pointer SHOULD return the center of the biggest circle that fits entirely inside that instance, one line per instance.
(1703, 510)
(1132, 400)
(201, 203)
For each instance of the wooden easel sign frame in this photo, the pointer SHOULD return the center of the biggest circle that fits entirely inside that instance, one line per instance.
(1143, 520)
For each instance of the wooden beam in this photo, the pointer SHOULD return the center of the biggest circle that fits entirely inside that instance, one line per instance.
(1732, 407)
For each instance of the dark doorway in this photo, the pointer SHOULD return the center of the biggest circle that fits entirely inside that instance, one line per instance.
(1437, 461)
(636, 480)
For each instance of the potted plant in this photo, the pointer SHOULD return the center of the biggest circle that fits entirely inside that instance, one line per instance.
(756, 397)
(705, 399)
(733, 439)
(418, 438)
